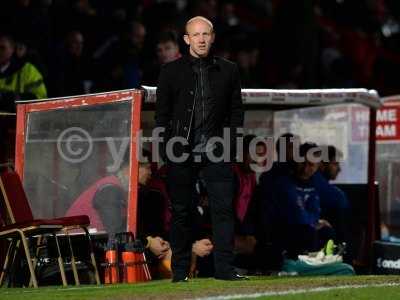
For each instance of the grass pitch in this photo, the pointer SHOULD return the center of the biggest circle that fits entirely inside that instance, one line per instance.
(313, 288)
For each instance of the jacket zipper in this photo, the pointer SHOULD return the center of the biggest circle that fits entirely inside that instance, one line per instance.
(191, 116)
(202, 97)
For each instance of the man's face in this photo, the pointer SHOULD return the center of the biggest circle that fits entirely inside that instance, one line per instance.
(332, 170)
(306, 169)
(167, 52)
(6, 51)
(199, 37)
(261, 151)
(137, 35)
(75, 44)
(144, 173)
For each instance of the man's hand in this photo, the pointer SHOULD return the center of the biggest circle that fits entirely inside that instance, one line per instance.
(158, 246)
(202, 247)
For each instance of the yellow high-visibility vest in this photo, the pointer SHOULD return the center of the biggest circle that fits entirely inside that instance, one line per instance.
(26, 80)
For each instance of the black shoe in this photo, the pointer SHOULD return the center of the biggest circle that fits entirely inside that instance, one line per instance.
(180, 279)
(232, 277)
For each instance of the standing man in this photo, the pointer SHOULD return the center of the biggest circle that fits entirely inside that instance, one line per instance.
(199, 95)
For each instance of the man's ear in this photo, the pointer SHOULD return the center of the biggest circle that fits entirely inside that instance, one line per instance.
(212, 37)
(186, 39)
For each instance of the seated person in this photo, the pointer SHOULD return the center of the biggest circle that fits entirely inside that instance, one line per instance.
(286, 146)
(105, 202)
(202, 246)
(157, 184)
(245, 182)
(291, 207)
(246, 202)
(335, 207)
(154, 222)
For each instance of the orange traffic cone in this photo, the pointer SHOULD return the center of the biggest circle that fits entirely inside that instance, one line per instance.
(111, 274)
(141, 267)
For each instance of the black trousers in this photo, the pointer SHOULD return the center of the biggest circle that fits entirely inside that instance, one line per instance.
(181, 181)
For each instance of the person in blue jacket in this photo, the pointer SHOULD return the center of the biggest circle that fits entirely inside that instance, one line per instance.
(291, 206)
(335, 207)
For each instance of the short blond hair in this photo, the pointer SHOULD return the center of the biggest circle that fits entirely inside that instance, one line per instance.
(199, 18)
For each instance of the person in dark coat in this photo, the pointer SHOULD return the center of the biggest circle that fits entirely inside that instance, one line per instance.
(198, 96)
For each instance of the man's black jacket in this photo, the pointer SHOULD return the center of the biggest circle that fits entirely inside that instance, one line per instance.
(176, 93)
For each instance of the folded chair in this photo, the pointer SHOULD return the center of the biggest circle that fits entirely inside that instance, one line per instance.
(23, 225)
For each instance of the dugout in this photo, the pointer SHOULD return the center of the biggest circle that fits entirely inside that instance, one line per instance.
(345, 118)
(94, 129)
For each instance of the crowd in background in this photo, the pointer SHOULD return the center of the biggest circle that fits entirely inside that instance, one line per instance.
(83, 46)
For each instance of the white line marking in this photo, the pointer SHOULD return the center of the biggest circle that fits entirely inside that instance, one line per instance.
(297, 291)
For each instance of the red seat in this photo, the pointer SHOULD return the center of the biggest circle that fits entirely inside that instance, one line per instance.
(21, 221)
(82, 220)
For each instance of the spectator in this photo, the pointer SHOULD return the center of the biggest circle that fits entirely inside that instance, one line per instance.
(18, 79)
(247, 60)
(28, 21)
(119, 59)
(167, 50)
(86, 20)
(71, 72)
(286, 54)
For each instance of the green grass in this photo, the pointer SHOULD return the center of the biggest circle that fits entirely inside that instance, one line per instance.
(210, 287)
(383, 293)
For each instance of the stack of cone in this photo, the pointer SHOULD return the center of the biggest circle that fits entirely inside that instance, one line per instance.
(126, 260)
(111, 274)
(138, 267)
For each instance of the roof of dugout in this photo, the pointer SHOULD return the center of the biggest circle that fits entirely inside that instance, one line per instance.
(272, 98)
(298, 98)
